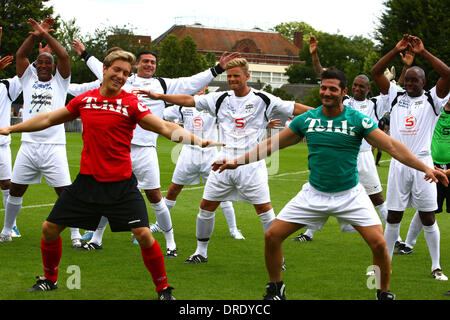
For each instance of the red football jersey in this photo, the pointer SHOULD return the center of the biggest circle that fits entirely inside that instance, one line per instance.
(108, 125)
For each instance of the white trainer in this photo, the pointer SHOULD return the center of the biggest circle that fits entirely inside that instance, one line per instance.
(76, 243)
(236, 234)
(5, 238)
(15, 233)
(439, 275)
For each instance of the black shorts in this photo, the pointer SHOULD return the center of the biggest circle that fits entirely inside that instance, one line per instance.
(443, 192)
(82, 204)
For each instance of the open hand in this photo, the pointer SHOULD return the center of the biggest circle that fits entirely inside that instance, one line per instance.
(224, 164)
(313, 45)
(78, 47)
(5, 61)
(150, 94)
(225, 58)
(434, 175)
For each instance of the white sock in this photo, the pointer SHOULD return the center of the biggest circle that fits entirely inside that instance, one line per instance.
(228, 211)
(75, 233)
(204, 230)
(170, 239)
(12, 209)
(266, 219)
(97, 237)
(415, 227)
(5, 199)
(309, 233)
(170, 203)
(162, 215)
(382, 211)
(433, 238)
(391, 234)
(5, 196)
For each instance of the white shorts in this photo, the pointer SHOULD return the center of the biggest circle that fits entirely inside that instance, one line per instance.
(248, 183)
(368, 174)
(193, 165)
(35, 160)
(5, 162)
(145, 165)
(408, 188)
(312, 208)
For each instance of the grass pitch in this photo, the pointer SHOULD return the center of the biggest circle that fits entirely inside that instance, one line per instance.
(332, 267)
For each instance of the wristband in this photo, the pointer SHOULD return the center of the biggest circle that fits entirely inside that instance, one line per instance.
(216, 70)
(85, 55)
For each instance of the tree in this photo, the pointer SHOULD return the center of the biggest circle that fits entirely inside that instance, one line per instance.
(426, 19)
(287, 29)
(180, 58)
(13, 19)
(300, 73)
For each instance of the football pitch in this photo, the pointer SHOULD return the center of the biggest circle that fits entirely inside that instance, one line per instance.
(332, 267)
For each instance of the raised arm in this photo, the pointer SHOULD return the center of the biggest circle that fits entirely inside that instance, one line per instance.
(399, 151)
(377, 71)
(40, 122)
(442, 86)
(44, 30)
(407, 59)
(95, 65)
(178, 99)
(313, 49)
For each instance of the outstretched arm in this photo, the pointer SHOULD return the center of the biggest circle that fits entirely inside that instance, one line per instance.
(284, 139)
(40, 122)
(174, 132)
(399, 151)
(178, 99)
(377, 71)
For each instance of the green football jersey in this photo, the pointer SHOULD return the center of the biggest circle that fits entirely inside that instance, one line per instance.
(440, 145)
(333, 145)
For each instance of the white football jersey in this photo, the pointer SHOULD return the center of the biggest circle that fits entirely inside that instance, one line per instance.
(374, 108)
(7, 96)
(413, 119)
(242, 120)
(42, 97)
(185, 85)
(200, 123)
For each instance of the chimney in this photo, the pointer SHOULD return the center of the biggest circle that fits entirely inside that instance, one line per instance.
(298, 39)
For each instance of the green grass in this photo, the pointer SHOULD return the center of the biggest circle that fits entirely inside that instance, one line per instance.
(331, 267)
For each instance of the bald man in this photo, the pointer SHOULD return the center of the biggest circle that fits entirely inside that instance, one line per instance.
(414, 114)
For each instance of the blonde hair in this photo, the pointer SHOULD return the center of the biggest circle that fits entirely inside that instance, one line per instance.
(238, 62)
(119, 55)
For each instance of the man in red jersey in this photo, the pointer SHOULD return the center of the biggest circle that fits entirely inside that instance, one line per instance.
(105, 185)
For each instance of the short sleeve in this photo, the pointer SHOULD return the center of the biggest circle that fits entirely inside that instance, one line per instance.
(172, 113)
(297, 125)
(73, 107)
(207, 102)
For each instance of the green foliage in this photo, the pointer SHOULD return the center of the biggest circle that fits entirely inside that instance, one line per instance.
(426, 19)
(13, 19)
(312, 99)
(279, 92)
(179, 58)
(301, 73)
(287, 29)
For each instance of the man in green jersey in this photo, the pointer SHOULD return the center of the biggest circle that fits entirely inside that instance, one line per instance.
(333, 134)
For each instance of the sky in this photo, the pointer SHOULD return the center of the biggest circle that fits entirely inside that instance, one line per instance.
(147, 17)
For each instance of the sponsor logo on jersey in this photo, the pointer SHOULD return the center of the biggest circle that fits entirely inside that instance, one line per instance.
(410, 122)
(114, 105)
(367, 123)
(315, 125)
(249, 108)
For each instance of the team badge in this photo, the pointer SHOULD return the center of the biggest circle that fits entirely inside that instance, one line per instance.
(250, 108)
(367, 123)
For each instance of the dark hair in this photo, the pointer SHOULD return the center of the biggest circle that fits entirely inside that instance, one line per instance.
(333, 73)
(138, 56)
